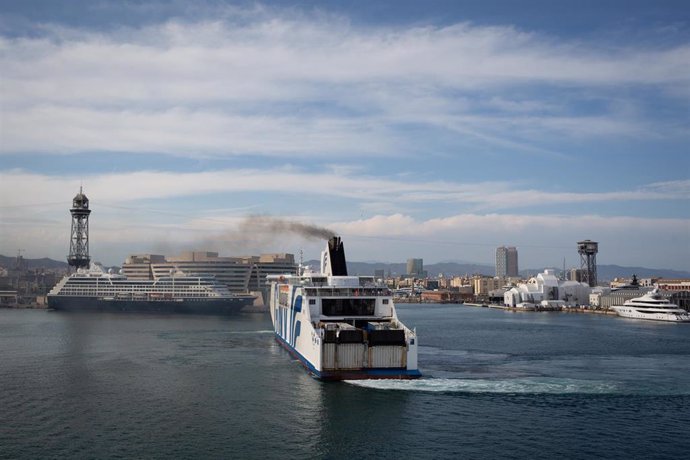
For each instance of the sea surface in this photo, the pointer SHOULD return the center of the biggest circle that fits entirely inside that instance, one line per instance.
(496, 384)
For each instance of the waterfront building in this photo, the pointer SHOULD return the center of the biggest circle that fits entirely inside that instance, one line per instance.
(431, 284)
(546, 287)
(441, 296)
(648, 282)
(574, 274)
(605, 298)
(481, 285)
(415, 267)
(506, 261)
(138, 266)
(458, 281)
(239, 274)
(674, 284)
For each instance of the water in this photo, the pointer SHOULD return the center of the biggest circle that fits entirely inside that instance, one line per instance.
(497, 385)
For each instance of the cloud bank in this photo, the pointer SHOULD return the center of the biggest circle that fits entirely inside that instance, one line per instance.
(270, 83)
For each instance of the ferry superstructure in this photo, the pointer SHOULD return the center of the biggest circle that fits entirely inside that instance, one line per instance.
(95, 290)
(341, 327)
(652, 306)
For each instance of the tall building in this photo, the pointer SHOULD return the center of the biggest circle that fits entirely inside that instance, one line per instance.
(506, 261)
(415, 267)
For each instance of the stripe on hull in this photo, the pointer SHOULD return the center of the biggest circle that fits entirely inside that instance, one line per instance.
(217, 307)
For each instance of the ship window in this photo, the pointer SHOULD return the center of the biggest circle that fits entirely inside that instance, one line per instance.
(312, 301)
(385, 301)
(348, 307)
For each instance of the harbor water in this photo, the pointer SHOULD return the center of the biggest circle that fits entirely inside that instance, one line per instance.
(497, 384)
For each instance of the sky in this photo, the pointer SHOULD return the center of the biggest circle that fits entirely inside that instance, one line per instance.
(436, 130)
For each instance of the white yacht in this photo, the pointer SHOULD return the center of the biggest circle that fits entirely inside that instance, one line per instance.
(652, 306)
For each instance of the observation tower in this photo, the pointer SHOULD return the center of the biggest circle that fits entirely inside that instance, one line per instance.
(79, 240)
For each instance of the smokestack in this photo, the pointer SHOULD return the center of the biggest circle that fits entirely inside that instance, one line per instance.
(336, 253)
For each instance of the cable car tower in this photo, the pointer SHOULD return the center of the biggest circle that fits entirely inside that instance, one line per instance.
(79, 240)
(588, 261)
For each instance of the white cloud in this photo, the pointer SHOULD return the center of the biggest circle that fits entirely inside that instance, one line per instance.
(219, 87)
(18, 188)
(65, 130)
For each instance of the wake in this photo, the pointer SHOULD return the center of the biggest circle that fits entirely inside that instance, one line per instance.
(532, 385)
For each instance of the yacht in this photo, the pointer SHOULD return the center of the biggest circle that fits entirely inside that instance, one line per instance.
(652, 306)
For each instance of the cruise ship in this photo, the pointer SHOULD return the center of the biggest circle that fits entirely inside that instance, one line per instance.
(95, 290)
(341, 327)
(652, 306)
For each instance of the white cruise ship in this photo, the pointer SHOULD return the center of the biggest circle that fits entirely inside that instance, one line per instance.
(652, 306)
(341, 327)
(93, 289)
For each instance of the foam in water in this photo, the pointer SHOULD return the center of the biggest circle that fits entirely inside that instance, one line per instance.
(539, 385)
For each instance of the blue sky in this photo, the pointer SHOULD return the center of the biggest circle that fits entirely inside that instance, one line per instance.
(436, 129)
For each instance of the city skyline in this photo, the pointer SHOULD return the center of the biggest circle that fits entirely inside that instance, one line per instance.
(440, 130)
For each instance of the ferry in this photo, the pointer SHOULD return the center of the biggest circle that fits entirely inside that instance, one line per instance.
(652, 306)
(93, 289)
(341, 327)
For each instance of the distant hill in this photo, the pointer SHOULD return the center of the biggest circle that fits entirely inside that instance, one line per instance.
(609, 272)
(10, 262)
(31, 264)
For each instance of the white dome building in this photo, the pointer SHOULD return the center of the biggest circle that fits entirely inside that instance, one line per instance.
(546, 291)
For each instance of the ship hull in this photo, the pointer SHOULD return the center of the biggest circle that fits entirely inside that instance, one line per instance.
(196, 307)
(349, 374)
(626, 312)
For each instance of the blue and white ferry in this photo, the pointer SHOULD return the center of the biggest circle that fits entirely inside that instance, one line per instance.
(341, 327)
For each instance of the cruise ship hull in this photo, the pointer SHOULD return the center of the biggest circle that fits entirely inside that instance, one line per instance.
(196, 307)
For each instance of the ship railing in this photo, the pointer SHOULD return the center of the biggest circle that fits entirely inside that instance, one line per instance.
(348, 292)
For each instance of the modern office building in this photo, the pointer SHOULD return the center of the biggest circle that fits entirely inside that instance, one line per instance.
(506, 261)
(415, 267)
